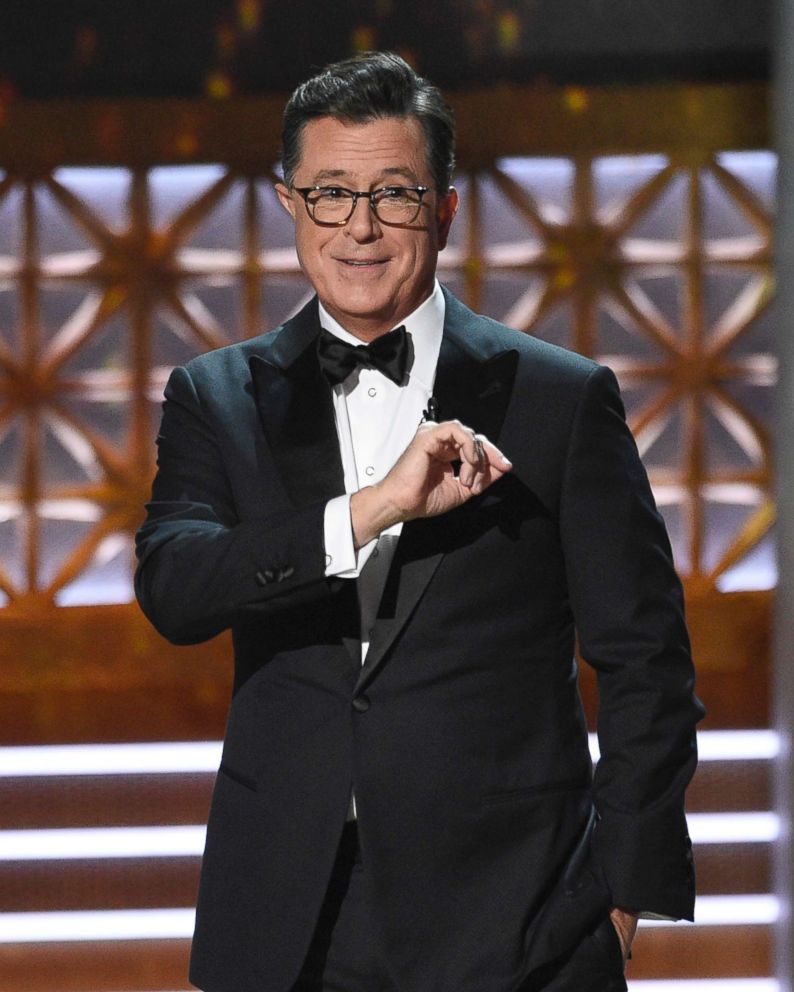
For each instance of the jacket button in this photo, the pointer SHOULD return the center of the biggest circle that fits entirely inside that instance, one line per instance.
(361, 704)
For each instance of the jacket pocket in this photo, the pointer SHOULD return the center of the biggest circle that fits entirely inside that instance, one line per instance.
(245, 780)
(531, 791)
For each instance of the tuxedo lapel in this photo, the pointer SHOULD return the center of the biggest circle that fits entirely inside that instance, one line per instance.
(295, 407)
(474, 381)
(474, 390)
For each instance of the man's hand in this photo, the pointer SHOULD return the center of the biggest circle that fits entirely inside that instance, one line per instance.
(625, 924)
(423, 483)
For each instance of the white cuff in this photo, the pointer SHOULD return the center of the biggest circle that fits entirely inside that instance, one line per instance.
(340, 552)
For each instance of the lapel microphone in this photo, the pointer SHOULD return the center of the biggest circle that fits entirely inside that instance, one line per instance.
(433, 411)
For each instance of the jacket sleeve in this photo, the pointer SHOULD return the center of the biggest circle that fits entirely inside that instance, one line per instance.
(628, 608)
(200, 567)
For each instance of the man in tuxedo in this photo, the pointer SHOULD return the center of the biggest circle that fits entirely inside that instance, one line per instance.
(405, 801)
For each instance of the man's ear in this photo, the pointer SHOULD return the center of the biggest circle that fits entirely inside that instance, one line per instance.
(446, 209)
(286, 201)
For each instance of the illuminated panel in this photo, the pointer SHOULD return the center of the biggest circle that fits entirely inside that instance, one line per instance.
(112, 924)
(168, 924)
(204, 756)
(725, 745)
(726, 911)
(110, 759)
(708, 985)
(98, 843)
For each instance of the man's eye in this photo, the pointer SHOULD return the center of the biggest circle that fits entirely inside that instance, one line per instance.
(332, 193)
(394, 193)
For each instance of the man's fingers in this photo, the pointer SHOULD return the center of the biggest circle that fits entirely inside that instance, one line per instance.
(474, 461)
(480, 454)
(481, 461)
(478, 457)
(423, 482)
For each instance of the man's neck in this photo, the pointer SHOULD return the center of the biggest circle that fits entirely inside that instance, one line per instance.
(367, 329)
(349, 329)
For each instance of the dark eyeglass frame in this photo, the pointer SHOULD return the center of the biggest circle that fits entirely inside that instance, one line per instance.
(355, 196)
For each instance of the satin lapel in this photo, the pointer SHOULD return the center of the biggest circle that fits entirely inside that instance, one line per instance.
(296, 410)
(474, 386)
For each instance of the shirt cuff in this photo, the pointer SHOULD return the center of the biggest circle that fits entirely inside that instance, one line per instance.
(340, 552)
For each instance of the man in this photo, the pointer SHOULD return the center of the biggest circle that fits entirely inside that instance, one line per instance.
(405, 802)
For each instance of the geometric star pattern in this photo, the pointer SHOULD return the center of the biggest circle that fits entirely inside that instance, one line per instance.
(110, 276)
(662, 271)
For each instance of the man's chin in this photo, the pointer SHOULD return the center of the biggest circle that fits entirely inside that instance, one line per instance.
(376, 320)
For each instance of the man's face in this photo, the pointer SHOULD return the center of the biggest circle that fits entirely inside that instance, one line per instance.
(368, 275)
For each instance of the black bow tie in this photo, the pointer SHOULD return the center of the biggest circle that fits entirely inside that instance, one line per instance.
(388, 354)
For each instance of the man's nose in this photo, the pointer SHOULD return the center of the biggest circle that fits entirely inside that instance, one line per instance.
(363, 224)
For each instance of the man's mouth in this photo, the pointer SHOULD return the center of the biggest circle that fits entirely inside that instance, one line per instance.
(362, 262)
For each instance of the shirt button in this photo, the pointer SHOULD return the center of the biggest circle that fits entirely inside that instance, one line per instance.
(372, 391)
(370, 470)
(328, 560)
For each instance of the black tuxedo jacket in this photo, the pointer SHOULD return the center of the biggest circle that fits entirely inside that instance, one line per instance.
(490, 848)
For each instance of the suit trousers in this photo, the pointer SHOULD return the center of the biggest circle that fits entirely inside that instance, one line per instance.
(345, 954)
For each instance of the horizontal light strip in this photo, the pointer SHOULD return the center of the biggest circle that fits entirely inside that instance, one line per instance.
(112, 924)
(170, 924)
(110, 759)
(727, 745)
(101, 842)
(733, 828)
(707, 985)
(738, 745)
(204, 756)
(188, 840)
(723, 911)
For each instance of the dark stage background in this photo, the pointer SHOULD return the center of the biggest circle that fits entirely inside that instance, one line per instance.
(159, 48)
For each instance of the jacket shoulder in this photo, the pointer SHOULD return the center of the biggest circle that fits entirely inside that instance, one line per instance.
(281, 346)
(539, 359)
(231, 356)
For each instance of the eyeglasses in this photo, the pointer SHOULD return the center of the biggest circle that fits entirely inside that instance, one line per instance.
(333, 206)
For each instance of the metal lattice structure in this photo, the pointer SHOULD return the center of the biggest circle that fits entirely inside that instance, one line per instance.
(105, 306)
(661, 269)
(585, 252)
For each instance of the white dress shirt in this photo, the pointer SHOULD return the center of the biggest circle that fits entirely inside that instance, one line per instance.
(375, 421)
